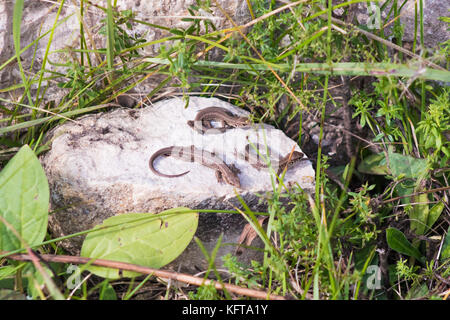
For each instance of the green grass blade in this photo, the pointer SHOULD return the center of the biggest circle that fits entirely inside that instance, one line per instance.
(47, 49)
(110, 36)
(31, 123)
(332, 69)
(17, 22)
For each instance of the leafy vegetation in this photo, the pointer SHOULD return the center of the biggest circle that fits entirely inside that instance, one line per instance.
(377, 226)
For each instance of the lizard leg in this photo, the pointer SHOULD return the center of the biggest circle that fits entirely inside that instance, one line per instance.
(219, 176)
(234, 169)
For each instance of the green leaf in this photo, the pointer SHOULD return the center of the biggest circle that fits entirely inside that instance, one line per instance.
(446, 247)
(405, 190)
(109, 35)
(24, 198)
(7, 271)
(177, 32)
(435, 213)
(419, 214)
(408, 166)
(374, 164)
(146, 239)
(107, 291)
(17, 23)
(398, 242)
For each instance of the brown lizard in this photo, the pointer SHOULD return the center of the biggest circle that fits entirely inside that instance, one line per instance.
(283, 163)
(202, 121)
(224, 173)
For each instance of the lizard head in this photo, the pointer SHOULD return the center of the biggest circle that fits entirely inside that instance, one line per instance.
(233, 180)
(296, 155)
(243, 121)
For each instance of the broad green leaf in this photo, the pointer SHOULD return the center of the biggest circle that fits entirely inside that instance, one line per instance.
(398, 242)
(374, 164)
(408, 166)
(24, 198)
(107, 292)
(419, 214)
(405, 190)
(435, 213)
(151, 240)
(446, 247)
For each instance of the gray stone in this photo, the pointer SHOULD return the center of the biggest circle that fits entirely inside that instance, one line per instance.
(98, 167)
(39, 17)
(435, 30)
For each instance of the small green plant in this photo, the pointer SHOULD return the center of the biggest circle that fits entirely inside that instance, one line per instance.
(206, 292)
(434, 127)
(243, 274)
(364, 225)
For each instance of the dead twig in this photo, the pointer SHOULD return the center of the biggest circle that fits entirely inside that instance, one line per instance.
(182, 277)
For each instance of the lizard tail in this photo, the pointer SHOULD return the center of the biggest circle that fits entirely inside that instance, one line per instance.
(167, 175)
(171, 175)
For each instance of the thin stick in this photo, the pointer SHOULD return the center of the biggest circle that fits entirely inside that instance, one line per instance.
(182, 277)
(416, 194)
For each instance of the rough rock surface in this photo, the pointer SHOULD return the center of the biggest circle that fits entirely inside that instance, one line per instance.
(435, 30)
(98, 167)
(39, 17)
